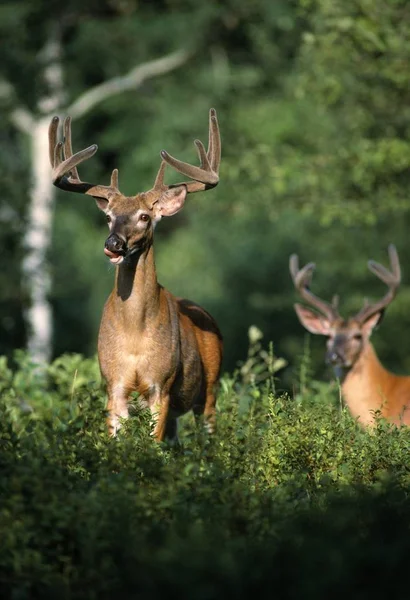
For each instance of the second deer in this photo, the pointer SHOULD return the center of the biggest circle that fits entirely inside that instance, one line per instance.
(166, 348)
(367, 387)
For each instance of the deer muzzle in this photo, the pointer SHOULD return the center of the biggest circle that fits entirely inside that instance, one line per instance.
(115, 248)
(337, 358)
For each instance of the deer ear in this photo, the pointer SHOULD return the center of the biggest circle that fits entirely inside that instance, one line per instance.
(371, 323)
(102, 203)
(171, 201)
(312, 321)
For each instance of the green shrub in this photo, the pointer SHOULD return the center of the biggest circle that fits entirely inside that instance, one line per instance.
(289, 493)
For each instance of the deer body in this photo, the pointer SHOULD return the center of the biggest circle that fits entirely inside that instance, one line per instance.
(167, 349)
(367, 387)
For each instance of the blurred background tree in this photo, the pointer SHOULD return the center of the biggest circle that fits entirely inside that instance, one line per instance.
(312, 99)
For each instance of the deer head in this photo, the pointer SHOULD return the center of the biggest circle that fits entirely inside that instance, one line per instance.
(346, 338)
(132, 219)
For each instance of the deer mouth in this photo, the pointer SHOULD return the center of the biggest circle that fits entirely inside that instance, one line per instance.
(338, 360)
(115, 257)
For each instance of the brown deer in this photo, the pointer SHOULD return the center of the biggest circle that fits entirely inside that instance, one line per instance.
(167, 349)
(367, 387)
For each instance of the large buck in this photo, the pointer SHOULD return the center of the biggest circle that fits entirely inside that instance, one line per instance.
(367, 387)
(167, 349)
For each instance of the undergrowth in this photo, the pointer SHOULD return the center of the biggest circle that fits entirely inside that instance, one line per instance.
(289, 495)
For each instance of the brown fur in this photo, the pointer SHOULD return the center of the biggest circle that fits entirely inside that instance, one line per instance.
(169, 350)
(369, 388)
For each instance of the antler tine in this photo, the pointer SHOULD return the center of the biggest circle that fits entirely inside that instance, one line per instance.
(214, 143)
(206, 175)
(391, 278)
(64, 164)
(203, 156)
(159, 179)
(301, 279)
(198, 173)
(68, 149)
(58, 156)
(52, 139)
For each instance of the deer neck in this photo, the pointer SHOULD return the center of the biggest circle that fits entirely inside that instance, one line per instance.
(366, 385)
(137, 291)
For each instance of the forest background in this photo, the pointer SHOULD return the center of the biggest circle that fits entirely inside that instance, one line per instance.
(313, 104)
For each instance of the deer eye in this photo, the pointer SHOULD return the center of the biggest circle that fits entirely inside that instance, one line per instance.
(357, 336)
(108, 218)
(144, 217)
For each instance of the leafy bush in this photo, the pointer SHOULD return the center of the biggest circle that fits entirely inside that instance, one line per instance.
(289, 493)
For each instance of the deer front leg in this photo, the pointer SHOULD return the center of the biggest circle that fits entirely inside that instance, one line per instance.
(210, 412)
(117, 408)
(165, 425)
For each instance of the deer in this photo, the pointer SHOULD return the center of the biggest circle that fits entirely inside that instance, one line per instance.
(368, 388)
(165, 348)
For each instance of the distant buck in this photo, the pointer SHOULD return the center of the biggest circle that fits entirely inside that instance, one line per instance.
(167, 349)
(366, 385)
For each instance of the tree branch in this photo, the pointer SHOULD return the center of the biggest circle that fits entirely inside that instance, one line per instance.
(6, 89)
(22, 119)
(20, 116)
(132, 80)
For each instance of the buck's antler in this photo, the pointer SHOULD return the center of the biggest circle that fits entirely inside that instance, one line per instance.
(391, 278)
(206, 176)
(65, 174)
(301, 279)
(64, 164)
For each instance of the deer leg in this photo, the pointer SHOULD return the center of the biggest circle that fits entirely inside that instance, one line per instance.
(210, 411)
(206, 411)
(117, 409)
(171, 428)
(159, 407)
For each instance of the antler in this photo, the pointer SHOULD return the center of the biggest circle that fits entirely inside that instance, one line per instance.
(64, 164)
(301, 279)
(65, 174)
(206, 176)
(390, 278)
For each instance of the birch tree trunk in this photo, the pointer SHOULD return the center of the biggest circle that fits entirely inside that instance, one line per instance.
(37, 239)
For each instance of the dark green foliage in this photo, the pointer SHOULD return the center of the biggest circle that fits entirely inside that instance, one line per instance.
(288, 494)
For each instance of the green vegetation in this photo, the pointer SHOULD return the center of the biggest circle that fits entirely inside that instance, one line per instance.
(289, 495)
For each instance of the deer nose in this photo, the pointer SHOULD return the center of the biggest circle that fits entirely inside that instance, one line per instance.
(114, 243)
(335, 357)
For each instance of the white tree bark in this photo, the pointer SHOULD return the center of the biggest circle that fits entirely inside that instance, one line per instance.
(37, 239)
